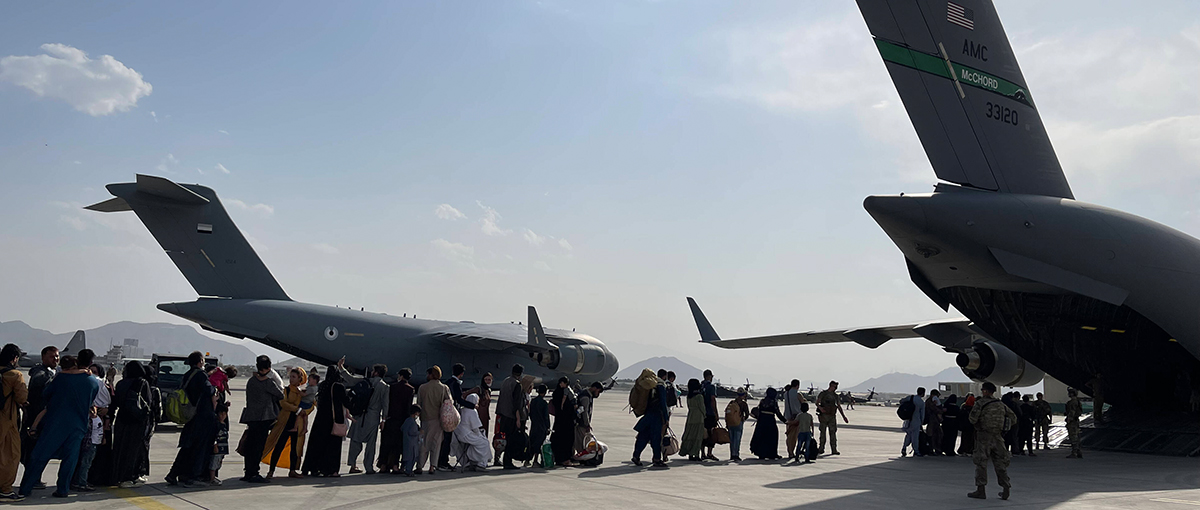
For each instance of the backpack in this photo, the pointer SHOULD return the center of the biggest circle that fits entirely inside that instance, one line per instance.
(360, 397)
(3, 397)
(179, 409)
(1004, 427)
(810, 453)
(733, 414)
(134, 405)
(906, 409)
(639, 395)
(449, 416)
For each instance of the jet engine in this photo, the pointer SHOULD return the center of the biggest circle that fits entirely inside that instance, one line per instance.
(990, 361)
(584, 359)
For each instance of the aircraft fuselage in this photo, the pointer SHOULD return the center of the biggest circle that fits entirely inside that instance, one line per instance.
(325, 334)
(1075, 288)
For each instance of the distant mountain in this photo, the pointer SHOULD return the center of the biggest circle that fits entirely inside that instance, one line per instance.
(683, 371)
(897, 382)
(157, 337)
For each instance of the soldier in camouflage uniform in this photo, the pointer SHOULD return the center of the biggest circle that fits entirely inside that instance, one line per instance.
(1074, 409)
(990, 416)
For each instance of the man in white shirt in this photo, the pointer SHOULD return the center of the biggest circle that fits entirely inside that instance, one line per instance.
(95, 435)
(912, 426)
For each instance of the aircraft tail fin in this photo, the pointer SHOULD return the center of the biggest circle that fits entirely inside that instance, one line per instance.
(193, 227)
(707, 333)
(77, 343)
(956, 73)
(537, 335)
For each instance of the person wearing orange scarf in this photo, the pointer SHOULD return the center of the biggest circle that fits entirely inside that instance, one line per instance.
(287, 426)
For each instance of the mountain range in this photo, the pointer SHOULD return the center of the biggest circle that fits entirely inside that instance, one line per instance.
(899, 382)
(157, 337)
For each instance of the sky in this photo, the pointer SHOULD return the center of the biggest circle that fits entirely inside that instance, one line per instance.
(599, 160)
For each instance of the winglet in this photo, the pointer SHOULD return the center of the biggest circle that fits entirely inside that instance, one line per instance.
(77, 343)
(537, 335)
(707, 333)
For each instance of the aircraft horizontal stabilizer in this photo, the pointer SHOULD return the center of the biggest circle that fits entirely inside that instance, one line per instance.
(953, 334)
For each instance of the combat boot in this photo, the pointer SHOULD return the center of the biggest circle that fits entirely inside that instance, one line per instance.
(1004, 493)
(978, 494)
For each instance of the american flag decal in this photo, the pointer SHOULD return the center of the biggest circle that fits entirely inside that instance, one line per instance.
(960, 15)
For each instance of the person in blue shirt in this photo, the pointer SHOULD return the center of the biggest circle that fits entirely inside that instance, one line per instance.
(66, 419)
(412, 440)
(912, 427)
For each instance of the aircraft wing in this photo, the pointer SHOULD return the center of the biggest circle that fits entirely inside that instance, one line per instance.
(953, 334)
(496, 337)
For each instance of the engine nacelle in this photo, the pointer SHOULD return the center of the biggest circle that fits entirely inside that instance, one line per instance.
(579, 359)
(990, 361)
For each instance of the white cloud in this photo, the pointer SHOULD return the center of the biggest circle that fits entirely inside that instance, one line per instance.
(566, 246)
(222, 168)
(448, 212)
(222, 131)
(455, 252)
(259, 208)
(155, 115)
(326, 248)
(489, 223)
(542, 265)
(533, 238)
(96, 87)
(167, 164)
(73, 221)
(77, 162)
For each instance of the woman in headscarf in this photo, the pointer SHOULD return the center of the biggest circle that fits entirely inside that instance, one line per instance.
(131, 407)
(765, 443)
(484, 407)
(562, 441)
(950, 419)
(324, 448)
(286, 426)
(694, 431)
(967, 446)
(470, 445)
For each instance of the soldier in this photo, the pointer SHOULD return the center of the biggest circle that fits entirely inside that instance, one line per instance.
(1074, 409)
(991, 419)
(1041, 427)
(1097, 387)
(827, 411)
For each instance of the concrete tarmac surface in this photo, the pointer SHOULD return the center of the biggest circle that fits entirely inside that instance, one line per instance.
(868, 474)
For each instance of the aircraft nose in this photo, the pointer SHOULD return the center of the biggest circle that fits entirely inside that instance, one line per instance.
(611, 365)
(897, 214)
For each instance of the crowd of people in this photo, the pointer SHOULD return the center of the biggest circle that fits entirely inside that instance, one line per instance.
(70, 409)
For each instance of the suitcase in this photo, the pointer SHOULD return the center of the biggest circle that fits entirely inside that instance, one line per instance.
(810, 453)
(925, 445)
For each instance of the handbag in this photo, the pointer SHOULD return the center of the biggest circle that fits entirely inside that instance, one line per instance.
(720, 435)
(449, 416)
(343, 428)
(670, 444)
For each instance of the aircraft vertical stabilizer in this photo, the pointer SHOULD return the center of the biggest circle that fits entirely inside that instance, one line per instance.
(77, 343)
(956, 72)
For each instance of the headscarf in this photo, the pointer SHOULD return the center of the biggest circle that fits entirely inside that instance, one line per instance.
(694, 387)
(133, 370)
(771, 394)
(970, 401)
(303, 377)
(331, 376)
(951, 400)
(473, 399)
(483, 385)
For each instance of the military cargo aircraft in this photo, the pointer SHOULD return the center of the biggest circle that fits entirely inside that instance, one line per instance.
(1043, 280)
(77, 343)
(240, 298)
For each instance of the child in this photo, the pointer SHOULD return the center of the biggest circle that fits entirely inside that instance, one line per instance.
(412, 440)
(308, 401)
(221, 448)
(806, 433)
(539, 425)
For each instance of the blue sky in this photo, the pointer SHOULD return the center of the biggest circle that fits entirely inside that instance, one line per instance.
(605, 159)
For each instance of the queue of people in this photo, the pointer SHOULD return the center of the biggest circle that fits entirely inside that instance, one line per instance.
(71, 410)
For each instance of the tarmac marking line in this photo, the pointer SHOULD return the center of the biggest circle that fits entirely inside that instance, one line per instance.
(143, 502)
(1178, 501)
(180, 498)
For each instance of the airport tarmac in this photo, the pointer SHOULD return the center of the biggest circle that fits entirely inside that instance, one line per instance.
(868, 474)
